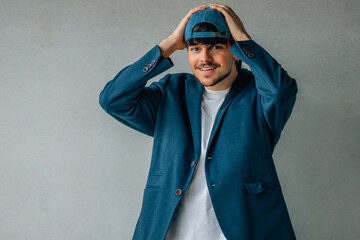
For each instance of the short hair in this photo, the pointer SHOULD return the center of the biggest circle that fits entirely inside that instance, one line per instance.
(209, 27)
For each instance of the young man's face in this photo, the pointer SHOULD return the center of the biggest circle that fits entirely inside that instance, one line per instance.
(212, 65)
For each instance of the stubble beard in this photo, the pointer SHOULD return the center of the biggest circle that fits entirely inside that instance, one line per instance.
(217, 80)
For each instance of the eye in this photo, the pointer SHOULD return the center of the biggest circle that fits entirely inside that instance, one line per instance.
(194, 49)
(216, 47)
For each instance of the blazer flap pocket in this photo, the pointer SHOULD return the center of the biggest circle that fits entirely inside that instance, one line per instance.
(259, 187)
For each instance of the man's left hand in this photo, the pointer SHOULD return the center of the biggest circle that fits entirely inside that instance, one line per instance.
(234, 23)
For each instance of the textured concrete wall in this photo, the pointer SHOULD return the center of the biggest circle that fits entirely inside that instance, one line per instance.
(69, 171)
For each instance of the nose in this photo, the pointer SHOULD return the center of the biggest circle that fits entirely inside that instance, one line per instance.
(205, 56)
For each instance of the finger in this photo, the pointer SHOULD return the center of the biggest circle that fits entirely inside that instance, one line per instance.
(224, 9)
(185, 20)
(228, 13)
(196, 9)
(221, 8)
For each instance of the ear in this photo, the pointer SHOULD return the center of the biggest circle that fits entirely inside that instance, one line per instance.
(236, 58)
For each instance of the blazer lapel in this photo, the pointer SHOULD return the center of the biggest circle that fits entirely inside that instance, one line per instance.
(193, 96)
(237, 86)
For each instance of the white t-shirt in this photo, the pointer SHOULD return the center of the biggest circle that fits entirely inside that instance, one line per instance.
(195, 218)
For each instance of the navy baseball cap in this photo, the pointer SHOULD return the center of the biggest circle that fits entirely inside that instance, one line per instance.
(208, 15)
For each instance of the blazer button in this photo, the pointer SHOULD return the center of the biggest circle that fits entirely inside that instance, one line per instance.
(251, 55)
(145, 69)
(178, 192)
(193, 163)
(153, 62)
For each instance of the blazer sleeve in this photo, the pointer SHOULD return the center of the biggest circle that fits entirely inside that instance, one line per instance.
(128, 100)
(276, 89)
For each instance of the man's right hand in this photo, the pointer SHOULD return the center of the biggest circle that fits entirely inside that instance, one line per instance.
(176, 40)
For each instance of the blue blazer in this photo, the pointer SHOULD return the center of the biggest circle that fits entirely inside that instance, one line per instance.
(240, 172)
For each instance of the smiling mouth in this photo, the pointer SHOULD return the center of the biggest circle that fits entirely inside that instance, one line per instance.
(207, 68)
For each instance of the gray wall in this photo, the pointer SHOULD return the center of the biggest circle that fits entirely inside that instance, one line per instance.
(69, 171)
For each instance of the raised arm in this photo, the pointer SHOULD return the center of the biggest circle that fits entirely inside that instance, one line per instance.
(276, 89)
(127, 99)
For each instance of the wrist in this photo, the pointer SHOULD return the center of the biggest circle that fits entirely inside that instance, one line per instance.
(170, 44)
(242, 37)
(167, 47)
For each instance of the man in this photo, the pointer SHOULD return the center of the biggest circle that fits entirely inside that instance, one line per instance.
(212, 174)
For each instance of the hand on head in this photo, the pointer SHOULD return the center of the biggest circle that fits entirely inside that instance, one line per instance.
(175, 41)
(233, 21)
